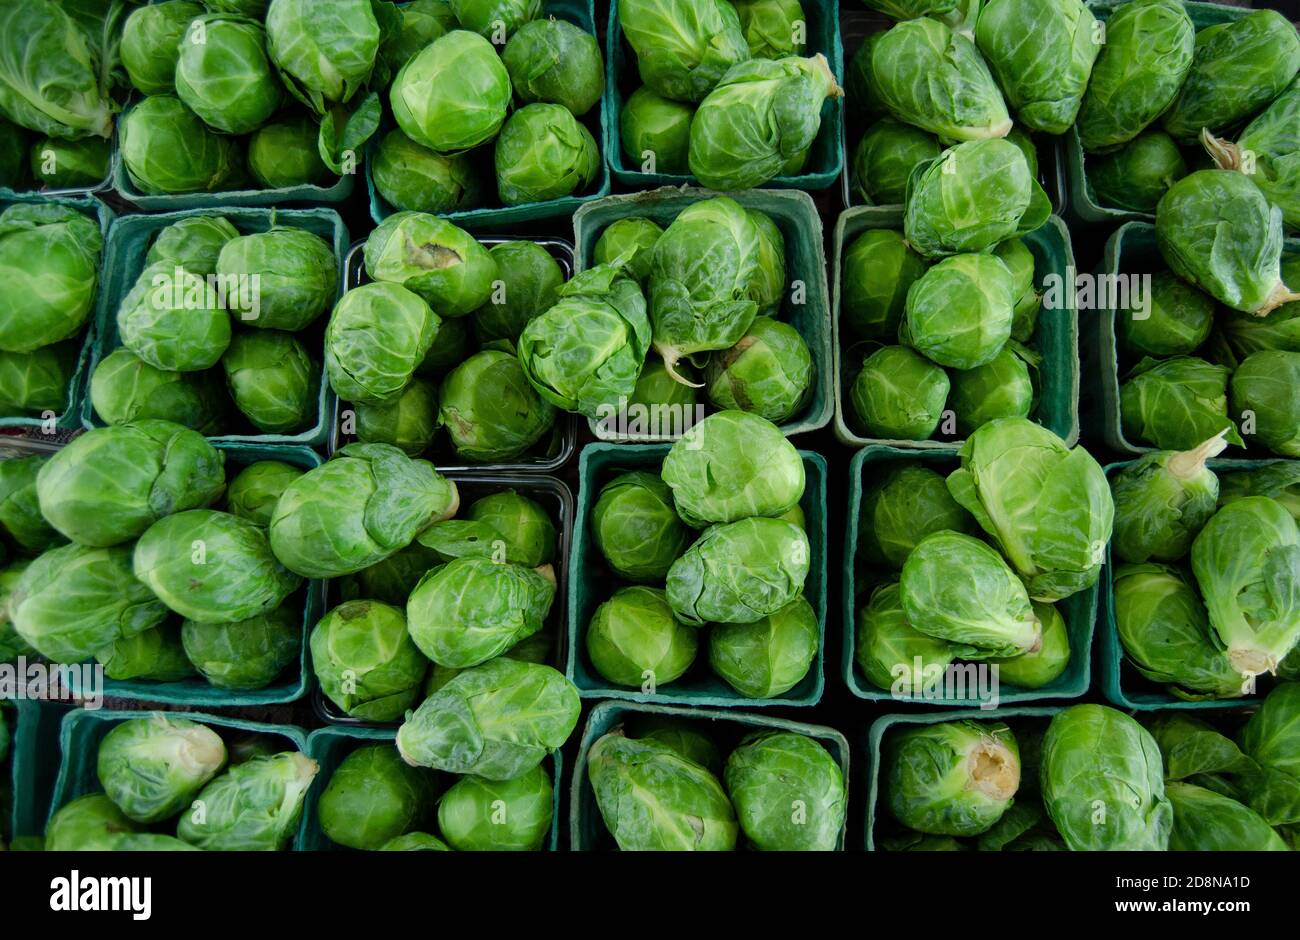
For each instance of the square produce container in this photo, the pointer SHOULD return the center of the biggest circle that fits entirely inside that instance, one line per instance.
(85, 337)
(825, 157)
(796, 216)
(591, 583)
(587, 832)
(1131, 250)
(84, 729)
(29, 139)
(1084, 204)
(1120, 682)
(34, 763)
(876, 810)
(128, 243)
(329, 746)
(1056, 335)
(497, 217)
(1078, 610)
(549, 454)
(556, 498)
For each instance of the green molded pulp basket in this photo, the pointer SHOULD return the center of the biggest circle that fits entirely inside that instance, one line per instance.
(128, 243)
(89, 206)
(83, 729)
(1120, 682)
(34, 759)
(1056, 337)
(500, 218)
(796, 216)
(882, 726)
(1084, 204)
(826, 157)
(591, 583)
(1078, 610)
(587, 831)
(329, 746)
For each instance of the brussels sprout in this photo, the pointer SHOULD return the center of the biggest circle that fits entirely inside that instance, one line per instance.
(525, 526)
(255, 490)
(1044, 81)
(659, 404)
(49, 263)
(527, 285)
(678, 735)
(255, 806)
(494, 18)
(211, 566)
(1280, 481)
(959, 312)
(444, 264)
(1205, 821)
(154, 468)
(124, 388)
(770, 772)
(1142, 64)
(1048, 508)
(392, 579)
(223, 74)
(295, 273)
(452, 95)
(1138, 174)
(174, 320)
(373, 797)
(885, 157)
(151, 38)
(769, 657)
(166, 148)
(928, 76)
(888, 648)
(272, 380)
(1043, 666)
(153, 767)
(635, 640)
(636, 527)
(422, 21)
(475, 725)
(490, 410)
(377, 336)
(1175, 404)
(1237, 68)
(1217, 231)
(1270, 735)
(860, 85)
(902, 506)
(952, 778)
(635, 237)
(1165, 632)
(193, 243)
(656, 132)
(1176, 320)
(1001, 388)
(702, 276)
(1020, 262)
(543, 153)
(284, 154)
(971, 197)
(73, 601)
(366, 503)
(1279, 329)
(156, 654)
(534, 649)
(1096, 759)
(768, 287)
(450, 347)
(413, 177)
(1162, 501)
(478, 815)
(20, 510)
(739, 572)
(768, 372)
(584, 354)
(683, 47)
(247, 654)
(879, 268)
(760, 115)
(11, 644)
(37, 383)
(408, 423)
(1247, 563)
(323, 56)
(466, 612)
(61, 164)
(733, 465)
(1270, 141)
(773, 29)
(1264, 387)
(415, 842)
(554, 61)
(956, 588)
(653, 799)
(88, 823)
(899, 394)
